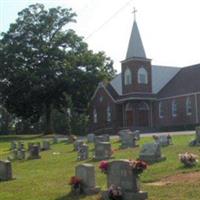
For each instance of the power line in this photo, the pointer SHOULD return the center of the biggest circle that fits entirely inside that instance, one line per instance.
(109, 19)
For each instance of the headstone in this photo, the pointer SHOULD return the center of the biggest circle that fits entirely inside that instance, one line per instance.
(102, 150)
(83, 152)
(163, 140)
(91, 137)
(128, 140)
(5, 170)
(55, 140)
(45, 145)
(30, 145)
(124, 132)
(39, 145)
(106, 138)
(13, 145)
(121, 174)
(78, 144)
(99, 138)
(137, 134)
(21, 154)
(87, 174)
(34, 152)
(196, 141)
(151, 152)
(13, 154)
(20, 146)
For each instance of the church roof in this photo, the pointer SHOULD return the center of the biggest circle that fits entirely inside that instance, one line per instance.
(185, 82)
(161, 75)
(135, 46)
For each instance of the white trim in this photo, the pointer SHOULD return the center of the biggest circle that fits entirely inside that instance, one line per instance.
(101, 85)
(136, 93)
(136, 59)
(134, 98)
(177, 96)
(196, 109)
(142, 72)
(151, 114)
(160, 107)
(174, 108)
(188, 105)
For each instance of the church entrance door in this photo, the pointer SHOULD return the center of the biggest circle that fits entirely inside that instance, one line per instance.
(129, 114)
(143, 115)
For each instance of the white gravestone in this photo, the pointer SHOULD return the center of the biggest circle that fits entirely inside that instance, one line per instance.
(83, 152)
(102, 150)
(91, 137)
(87, 174)
(151, 152)
(121, 174)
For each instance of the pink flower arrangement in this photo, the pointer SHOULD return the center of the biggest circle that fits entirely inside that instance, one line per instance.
(115, 192)
(138, 166)
(103, 166)
(188, 159)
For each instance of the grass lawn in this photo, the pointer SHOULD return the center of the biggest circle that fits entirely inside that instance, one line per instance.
(47, 178)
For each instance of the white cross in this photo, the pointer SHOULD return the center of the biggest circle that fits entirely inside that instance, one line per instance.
(134, 12)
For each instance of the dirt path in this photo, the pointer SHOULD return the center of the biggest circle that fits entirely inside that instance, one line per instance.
(178, 178)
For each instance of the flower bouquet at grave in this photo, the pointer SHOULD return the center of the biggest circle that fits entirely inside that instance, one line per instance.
(138, 166)
(75, 183)
(115, 192)
(103, 166)
(188, 159)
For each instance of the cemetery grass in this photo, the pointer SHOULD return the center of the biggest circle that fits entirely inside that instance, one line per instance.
(47, 178)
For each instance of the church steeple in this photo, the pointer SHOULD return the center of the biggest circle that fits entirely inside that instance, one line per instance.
(135, 46)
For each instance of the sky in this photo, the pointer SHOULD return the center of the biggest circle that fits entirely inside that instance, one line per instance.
(170, 29)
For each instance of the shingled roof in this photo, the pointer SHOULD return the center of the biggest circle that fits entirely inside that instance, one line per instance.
(186, 81)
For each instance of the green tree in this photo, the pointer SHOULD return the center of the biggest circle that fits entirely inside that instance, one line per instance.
(44, 63)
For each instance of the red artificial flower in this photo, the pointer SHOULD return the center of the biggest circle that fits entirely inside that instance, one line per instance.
(103, 166)
(74, 180)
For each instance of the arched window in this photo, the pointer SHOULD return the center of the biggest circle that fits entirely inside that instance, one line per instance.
(174, 108)
(161, 111)
(108, 113)
(188, 106)
(142, 76)
(127, 77)
(94, 116)
(143, 106)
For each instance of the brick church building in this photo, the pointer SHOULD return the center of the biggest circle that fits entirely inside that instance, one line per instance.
(145, 96)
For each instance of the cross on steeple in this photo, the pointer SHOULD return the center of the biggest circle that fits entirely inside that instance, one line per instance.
(134, 13)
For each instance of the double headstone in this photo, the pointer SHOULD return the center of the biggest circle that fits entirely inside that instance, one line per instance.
(91, 137)
(83, 152)
(5, 170)
(151, 152)
(196, 141)
(163, 140)
(87, 174)
(102, 150)
(128, 139)
(120, 174)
